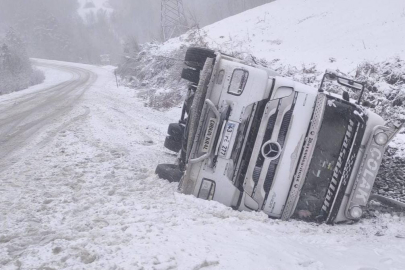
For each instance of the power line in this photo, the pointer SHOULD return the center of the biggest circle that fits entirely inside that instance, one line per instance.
(173, 19)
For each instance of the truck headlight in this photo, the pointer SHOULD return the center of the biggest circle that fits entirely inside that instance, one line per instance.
(381, 138)
(207, 190)
(356, 212)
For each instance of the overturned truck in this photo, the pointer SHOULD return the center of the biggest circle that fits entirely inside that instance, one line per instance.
(256, 141)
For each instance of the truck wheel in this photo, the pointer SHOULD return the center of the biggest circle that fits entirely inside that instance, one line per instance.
(196, 57)
(172, 144)
(176, 130)
(191, 75)
(169, 172)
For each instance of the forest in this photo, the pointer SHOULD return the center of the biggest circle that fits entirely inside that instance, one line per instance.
(81, 31)
(54, 29)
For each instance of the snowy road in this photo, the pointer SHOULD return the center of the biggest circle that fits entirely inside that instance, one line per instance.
(23, 117)
(77, 191)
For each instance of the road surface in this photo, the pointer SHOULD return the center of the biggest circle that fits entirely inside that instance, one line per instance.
(24, 117)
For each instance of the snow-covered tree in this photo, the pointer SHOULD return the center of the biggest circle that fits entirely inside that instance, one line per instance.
(54, 30)
(16, 72)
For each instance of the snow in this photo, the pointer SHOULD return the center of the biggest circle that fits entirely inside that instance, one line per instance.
(98, 4)
(399, 143)
(83, 194)
(297, 32)
(88, 199)
(54, 77)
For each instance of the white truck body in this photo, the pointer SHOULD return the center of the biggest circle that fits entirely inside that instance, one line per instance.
(262, 145)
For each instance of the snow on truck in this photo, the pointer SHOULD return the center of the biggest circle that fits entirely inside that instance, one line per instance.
(256, 141)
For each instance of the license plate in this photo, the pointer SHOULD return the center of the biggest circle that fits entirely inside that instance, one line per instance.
(208, 135)
(226, 140)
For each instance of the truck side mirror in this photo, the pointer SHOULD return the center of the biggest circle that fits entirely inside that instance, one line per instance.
(350, 83)
(346, 82)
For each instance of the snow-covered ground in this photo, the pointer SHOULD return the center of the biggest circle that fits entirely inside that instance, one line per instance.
(329, 33)
(82, 193)
(88, 198)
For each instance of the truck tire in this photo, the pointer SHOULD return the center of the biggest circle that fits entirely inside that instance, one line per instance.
(196, 57)
(169, 172)
(173, 144)
(176, 131)
(191, 75)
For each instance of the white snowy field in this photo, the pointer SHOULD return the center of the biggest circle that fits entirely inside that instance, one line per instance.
(328, 33)
(82, 194)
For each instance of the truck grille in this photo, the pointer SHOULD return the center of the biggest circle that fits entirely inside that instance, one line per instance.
(281, 140)
(284, 127)
(250, 143)
(257, 173)
(270, 176)
(267, 136)
(337, 144)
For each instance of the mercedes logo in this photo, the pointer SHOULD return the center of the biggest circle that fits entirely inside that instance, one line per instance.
(271, 150)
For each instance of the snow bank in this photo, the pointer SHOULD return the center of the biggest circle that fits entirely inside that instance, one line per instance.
(52, 78)
(156, 77)
(363, 39)
(331, 34)
(88, 198)
(300, 39)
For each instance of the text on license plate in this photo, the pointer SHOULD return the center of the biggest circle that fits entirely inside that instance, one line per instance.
(226, 141)
(208, 135)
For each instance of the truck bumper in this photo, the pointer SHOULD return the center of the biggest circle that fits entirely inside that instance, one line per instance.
(369, 167)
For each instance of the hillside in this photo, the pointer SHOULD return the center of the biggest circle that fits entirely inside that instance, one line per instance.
(300, 32)
(299, 39)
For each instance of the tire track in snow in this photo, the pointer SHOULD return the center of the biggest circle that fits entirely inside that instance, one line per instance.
(21, 124)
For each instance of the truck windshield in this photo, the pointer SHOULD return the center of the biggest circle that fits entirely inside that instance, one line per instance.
(331, 150)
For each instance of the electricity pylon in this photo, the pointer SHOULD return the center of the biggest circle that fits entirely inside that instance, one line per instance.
(173, 18)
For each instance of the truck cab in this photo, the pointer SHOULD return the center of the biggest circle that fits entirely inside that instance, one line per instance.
(256, 141)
